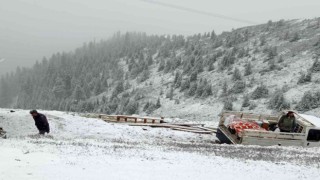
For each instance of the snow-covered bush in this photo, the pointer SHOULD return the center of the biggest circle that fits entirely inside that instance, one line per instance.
(278, 102)
(260, 92)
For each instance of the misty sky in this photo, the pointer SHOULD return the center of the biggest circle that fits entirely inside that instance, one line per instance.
(31, 29)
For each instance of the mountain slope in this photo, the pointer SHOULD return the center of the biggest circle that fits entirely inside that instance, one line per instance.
(260, 68)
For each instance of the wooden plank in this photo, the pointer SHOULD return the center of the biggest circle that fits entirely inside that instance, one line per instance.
(192, 131)
(208, 129)
(132, 117)
(189, 128)
(166, 126)
(187, 124)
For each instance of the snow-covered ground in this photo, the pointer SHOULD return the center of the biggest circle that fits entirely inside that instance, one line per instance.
(84, 148)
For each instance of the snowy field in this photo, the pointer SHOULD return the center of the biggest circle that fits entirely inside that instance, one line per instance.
(84, 148)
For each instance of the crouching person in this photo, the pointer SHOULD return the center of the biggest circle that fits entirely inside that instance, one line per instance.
(41, 122)
(287, 122)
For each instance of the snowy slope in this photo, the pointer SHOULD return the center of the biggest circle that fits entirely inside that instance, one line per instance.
(84, 148)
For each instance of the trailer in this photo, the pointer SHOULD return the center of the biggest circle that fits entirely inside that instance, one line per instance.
(260, 129)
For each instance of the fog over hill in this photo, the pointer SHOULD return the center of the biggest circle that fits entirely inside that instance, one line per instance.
(263, 68)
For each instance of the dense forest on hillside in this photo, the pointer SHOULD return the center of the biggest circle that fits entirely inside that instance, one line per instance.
(118, 75)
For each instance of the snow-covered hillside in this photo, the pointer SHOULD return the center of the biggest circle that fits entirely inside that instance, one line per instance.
(263, 68)
(84, 148)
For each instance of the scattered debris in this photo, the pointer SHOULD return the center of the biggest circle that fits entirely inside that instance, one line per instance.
(154, 122)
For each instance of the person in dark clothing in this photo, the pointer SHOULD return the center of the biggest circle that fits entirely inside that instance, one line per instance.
(287, 122)
(41, 122)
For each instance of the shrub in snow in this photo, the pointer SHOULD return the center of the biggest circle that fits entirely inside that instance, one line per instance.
(263, 40)
(226, 61)
(238, 87)
(272, 65)
(295, 37)
(193, 89)
(193, 76)
(246, 101)
(316, 66)
(252, 106)
(158, 104)
(178, 79)
(132, 107)
(224, 89)
(260, 92)
(236, 75)
(248, 69)
(228, 106)
(272, 52)
(170, 93)
(185, 85)
(305, 78)
(207, 91)
(309, 101)
(278, 102)
(280, 60)
(210, 66)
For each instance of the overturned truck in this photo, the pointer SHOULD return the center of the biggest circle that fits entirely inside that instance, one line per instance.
(259, 129)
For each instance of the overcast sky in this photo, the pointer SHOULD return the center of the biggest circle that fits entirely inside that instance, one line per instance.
(31, 29)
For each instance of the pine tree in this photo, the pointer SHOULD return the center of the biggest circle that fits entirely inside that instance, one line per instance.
(78, 93)
(149, 60)
(228, 105)
(236, 75)
(280, 60)
(59, 88)
(119, 88)
(193, 76)
(4, 93)
(98, 88)
(213, 35)
(207, 91)
(211, 66)
(260, 92)
(193, 89)
(246, 101)
(146, 106)
(262, 40)
(185, 85)
(224, 89)
(305, 78)
(248, 69)
(307, 102)
(295, 37)
(278, 102)
(161, 65)
(178, 81)
(158, 104)
(272, 65)
(238, 87)
(316, 66)
(226, 61)
(170, 93)
(272, 52)
(132, 107)
(176, 77)
(201, 87)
